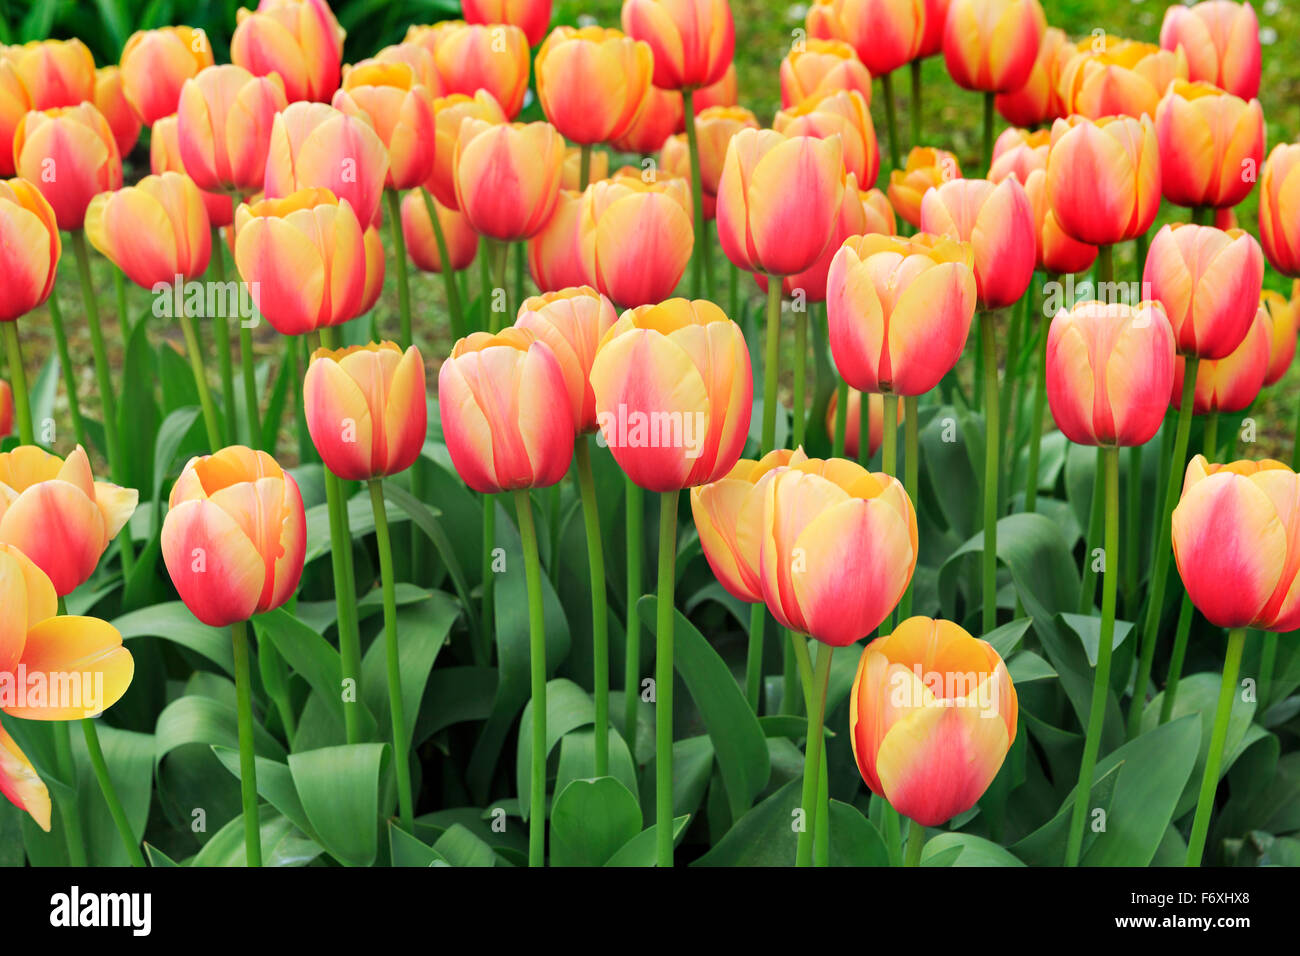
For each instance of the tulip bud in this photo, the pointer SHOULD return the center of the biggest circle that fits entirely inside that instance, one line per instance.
(885, 33)
(58, 514)
(498, 396)
(692, 40)
(674, 391)
(478, 57)
(819, 68)
(925, 167)
(592, 82)
(778, 199)
(1111, 76)
(449, 113)
(636, 238)
(714, 129)
(660, 117)
(1231, 383)
(417, 230)
(223, 127)
(54, 73)
(1018, 153)
(1058, 252)
(572, 323)
(1235, 543)
(298, 39)
(156, 64)
(14, 105)
(1211, 144)
(1221, 42)
(110, 101)
(998, 222)
(853, 423)
(165, 157)
(844, 114)
(400, 110)
(557, 257)
(1279, 209)
(29, 248)
(1121, 196)
(1282, 318)
(932, 714)
(1209, 282)
(531, 16)
(508, 177)
(153, 231)
(992, 45)
(70, 155)
(235, 536)
(1039, 100)
(304, 259)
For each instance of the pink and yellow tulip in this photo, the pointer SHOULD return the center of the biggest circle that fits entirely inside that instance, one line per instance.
(992, 45)
(1220, 39)
(636, 237)
(153, 231)
(110, 101)
(422, 245)
(1121, 195)
(54, 73)
(884, 33)
(531, 16)
(592, 82)
(76, 142)
(508, 177)
(390, 98)
(845, 114)
(692, 40)
(998, 221)
(473, 57)
(1282, 316)
(165, 157)
(926, 167)
(156, 64)
(819, 68)
(223, 127)
(29, 248)
(1039, 100)
(1231, 383)
(1211, 144)
(297, 39)
(1112, 76)
(1279, 209)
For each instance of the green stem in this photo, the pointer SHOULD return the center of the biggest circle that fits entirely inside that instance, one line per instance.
(394, 203)
(1210, 439)
(733, 292)
(701, 283)
(1202, 215)
(488, 575)
(119, 296)
(1096, 527)
(1100, 679)
(247, 759)
(500, 256)
(449, 283)
(103, 376)
(210, 420)
(68, 810)
(485, 283)
(988, 131)
(915, 106)
(664, 678)
(771, 362)
(521, 270)
(248, 371)
(816, 704)
(226, 372)
(1132, 528)
(1036, 427)
(634, 529)
(401, 747)
(1210, 781)
(599, 606)
(911, 465)
(18, 383)
(800, 377)
(992, 440)
(891, 120)
(69, 373)
(915, 843)
(1176, 659)
(822, 826)
(841, 418)
(1267, 660)
(893, 834)
(1008, 408)
(754, 655)
(106, 787)
(584, 166)
(889, 437)
(537, 668)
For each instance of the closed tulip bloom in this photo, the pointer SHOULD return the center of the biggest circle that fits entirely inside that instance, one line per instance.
(661, 116)
(14, 105)
(884, 33)
(821, 67)
(477, 57)
(728, 515)
(1279, 209)
(853, 424)
(153, 231)
(1231, 383)
(1221, 41)
(419, 59)
(845, 114)
(77, 143)
(449, 114)
(29, 248)
(998, 221)
(497, 397)
(373, 286)
(1109, 76)
(235, 537)
(1109, 369)
(572, 323)
(692, 40)
(298, 39)
(1120, 197)
(1282, 319)
(838, 548)
(58, 514)
(417, 230)
(110, 101)
(1209, 282)
(637, 237)
(6, 409)
(1211, 144)
(165, 157)
(1059, 253)
(531, 16)
(156, 64)
(926, 166)
(992, 45)
(1236, 536)
(592, 82)
(558, 256)
(304, 257)
(932, 714)
(223, 126)
(599, 160)
(778, 199)
(54, 72)
(1039, 100)
(715, 128)
(723, 92)
(899, 310)
(1018, 152)
(674, 391)
(366, 409)
(389, 98)
(508, 177)
(936, 17)
(314, 145)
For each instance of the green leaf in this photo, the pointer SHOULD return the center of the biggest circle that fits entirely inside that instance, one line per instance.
(578, 759)
(137, 409)
(174, 622)
(568, 707)
(1089, 631)
(591, 820)
(460, 847)
(274, 784)
(854, 840)
(422, 631)
(406, 850)
(427, 521)
(195, 719)
(1008, 637)
(129, 757)
(157, 858)
(282, 844)
(764, 836)
(971, 851)
(1028, 666)
(339, 790)
(643, 849)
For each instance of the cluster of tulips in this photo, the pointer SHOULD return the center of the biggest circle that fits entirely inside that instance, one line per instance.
(289, 162)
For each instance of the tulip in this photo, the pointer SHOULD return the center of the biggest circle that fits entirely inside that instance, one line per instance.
(1221, 42)
(314, 145)
(477, 57)
(77, 145)
(592, 82)
(417, 228)
(845, 114)
(389, 97)
(884, 33)
(297, 39)
(636, 238)
(450, 112)
(508, 177)
(1211, 144)
(29, 248)
(304, 258)
(1058, 252)
(1039, 100)
(21, 784)
(1209, 282)
(597, 168)
(692, 40)
(932, 714)
(557, 255)
(419, 59)
(723, 92)
(1018, 153)
(154, 231)
(660, 117)
(1109, 370)
(156, 64)
(899, 310)
(992, 45)
(936, 18)
(165, 157)
(999, 222)
(714, 129)
(54, 73)
(1231, 383)
(819, 68)
(572, 323)
(6, 409)
(853, 421)
(926, 167)
(1121, 195)
(1283, 321)
(110, 101)
(1109, 76)
(55, 511)
(374, 281)
(1279, 210)
(223, 127)
(14, 105)
(531, 16)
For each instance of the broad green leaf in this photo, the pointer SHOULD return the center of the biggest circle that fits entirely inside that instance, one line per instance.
(854, 840)
(764, 836)
(460, 847)
(282, 844)
(568, 707)
(972, 851)
(591, 820)
(643, 849)
(174, 622)
(339, 790)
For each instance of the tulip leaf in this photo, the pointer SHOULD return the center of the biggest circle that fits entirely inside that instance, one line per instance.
(643, 849)
(406, 850)
(591, 820)
(157, 858)
(764, 836)
(1008, 637)
(339, 790)
(175, 622)
(578, 759)
(854, 840)
(568, 707)
(971, 851)
(427, 521)
(137, 410)
(129, 757)
(282, 843)
(460, 846)
(455, 695)
(274, 784)
(1089, 631)
(195, 719)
